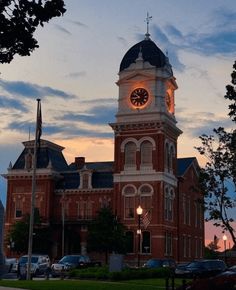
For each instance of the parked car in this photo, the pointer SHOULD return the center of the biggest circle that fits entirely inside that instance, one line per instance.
(223, 281)
(159, 263)
(12, 263)
(39, 264)
(69, 262)
(201, 268)
(232, 268)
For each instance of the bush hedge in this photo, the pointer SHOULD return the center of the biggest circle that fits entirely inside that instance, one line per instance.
(102, 273)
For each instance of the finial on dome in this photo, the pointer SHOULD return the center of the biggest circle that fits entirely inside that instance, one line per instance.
(148, 18)
(140, 54)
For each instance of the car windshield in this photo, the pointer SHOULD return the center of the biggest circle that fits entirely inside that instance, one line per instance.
(69, 259)
(24, 259)
(195, 265)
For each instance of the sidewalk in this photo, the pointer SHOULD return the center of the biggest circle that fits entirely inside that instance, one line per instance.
(9, 288)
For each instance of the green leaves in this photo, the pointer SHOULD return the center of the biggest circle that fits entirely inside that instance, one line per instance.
(220, 169)
(106, 234)
(18, 22)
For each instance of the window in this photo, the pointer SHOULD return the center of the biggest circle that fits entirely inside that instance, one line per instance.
(168, 244)
(129, 207)
(196, 248)
(130, 154)
(85, 181)
(167, 157)
(189, 246)
(18, 208)
(185, 246)
(85, 209)
(171, 158)
(146, 246)
(130, 241)
(169, 196)
(28, 161)
(129, 201)
(146, 192)
(186, 211)
(146, 153)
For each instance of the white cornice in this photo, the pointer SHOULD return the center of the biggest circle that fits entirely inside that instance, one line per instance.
(145, 176)
(28, 174)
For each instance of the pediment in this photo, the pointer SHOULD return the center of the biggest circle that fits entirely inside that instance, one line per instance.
(136, 76)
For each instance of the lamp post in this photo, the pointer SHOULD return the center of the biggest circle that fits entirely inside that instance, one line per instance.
(225, 240)
(139, 212)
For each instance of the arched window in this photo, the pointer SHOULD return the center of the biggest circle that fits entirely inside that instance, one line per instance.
(146, 192)
(167, 157)
(129, 201)
(130, 154)
(130, 242)
(28, 160)
(85, 178)
(169, 196)
(146, 153)
(146, 245)
(171, 158)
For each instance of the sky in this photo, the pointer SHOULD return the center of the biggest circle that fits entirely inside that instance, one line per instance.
(75, 69)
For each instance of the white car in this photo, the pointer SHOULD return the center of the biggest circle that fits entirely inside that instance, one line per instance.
(39, 264)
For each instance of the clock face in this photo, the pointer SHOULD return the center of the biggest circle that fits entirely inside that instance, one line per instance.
(139, 97)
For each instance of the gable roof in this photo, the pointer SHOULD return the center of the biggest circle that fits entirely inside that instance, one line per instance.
(184, 163)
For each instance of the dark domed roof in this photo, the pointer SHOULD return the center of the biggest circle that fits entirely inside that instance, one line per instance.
(150, 53)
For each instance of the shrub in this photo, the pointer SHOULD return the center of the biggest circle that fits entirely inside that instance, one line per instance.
(102, 273)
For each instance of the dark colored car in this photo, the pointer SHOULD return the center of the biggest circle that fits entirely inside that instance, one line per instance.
(69, 262)
(201, 268)
(222, 281)
(160, 263)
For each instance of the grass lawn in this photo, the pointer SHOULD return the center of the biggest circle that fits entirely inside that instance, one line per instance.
(87, 285)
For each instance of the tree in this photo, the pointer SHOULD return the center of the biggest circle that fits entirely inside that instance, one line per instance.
(211, 249)
(220, 169)
(19, 233)
(18, 22)
(18, 237)
(106, 234)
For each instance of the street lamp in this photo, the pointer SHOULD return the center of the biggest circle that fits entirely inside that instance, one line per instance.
(139, 212)
(225, 240)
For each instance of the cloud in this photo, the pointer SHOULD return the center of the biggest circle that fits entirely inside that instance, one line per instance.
(123, 41)
(219, 39)
(171, 45)
(32, 91)
(12, 103)
(98, 112)
(75, 75)
(204, 123)
(62, 29)
(78, 23)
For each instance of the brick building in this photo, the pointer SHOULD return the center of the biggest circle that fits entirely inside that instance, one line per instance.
(145, 172)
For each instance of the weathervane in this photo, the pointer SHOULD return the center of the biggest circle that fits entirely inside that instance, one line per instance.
(148, 18)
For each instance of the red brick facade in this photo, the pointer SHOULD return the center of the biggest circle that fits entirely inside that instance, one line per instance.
(145, 172)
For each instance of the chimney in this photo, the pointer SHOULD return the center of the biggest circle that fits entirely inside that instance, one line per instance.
(80, 161)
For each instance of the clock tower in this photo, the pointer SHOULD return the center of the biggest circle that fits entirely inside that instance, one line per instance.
(146, 151)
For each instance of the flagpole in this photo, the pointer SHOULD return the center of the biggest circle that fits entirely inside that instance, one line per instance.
(31, 224)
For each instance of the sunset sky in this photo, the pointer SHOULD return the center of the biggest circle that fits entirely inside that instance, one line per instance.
(75, 69)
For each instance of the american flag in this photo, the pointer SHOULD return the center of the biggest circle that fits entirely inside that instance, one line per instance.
(39, 123)
(146, 219)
